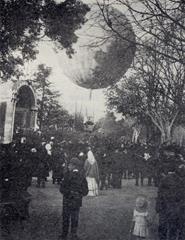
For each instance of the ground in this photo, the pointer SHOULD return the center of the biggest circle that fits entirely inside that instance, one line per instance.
(107, 216)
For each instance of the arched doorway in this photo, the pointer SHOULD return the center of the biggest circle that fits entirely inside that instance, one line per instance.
(25, 109)
(18, 109)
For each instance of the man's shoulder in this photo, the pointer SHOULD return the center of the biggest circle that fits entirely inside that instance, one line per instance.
(79, 175)
(171, 180)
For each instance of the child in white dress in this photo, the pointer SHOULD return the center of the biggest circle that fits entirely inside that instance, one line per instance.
(140, 223)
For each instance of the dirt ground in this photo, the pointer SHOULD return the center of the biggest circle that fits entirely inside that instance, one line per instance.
(107, 216)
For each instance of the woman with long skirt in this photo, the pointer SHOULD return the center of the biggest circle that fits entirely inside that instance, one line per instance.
(92, 173)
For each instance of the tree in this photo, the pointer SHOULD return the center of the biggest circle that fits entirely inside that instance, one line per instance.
(55, 116)
(79, 122)
(23, 23)
(153, 91)
(162, 20)
(50, 112)
(108, 125)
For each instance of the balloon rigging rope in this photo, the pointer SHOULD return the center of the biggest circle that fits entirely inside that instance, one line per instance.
(90, 95)
(91, 100)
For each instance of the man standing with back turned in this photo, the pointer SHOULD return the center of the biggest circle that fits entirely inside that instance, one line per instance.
(73, 187)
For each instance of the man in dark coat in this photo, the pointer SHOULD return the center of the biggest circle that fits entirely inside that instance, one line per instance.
(103, 170)
(117, 169)
(42, 167)
(58, 161)
(139, 163)
(171, 200)
(73, 187)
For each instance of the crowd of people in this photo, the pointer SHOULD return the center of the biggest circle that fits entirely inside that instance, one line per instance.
(85, 168)
(114, 159)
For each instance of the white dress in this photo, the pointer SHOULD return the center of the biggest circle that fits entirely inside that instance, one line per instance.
(141, 226)
(92, 174)
(92, 186)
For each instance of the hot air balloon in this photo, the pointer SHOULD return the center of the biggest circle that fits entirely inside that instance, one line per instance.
(103, 56)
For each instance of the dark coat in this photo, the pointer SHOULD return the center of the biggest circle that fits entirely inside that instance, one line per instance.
(43, 163)
(138, 157)
(74, 187)
(118, 164)
(171, 196)
(57, 164)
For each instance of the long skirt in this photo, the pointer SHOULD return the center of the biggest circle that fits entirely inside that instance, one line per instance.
(92, 186)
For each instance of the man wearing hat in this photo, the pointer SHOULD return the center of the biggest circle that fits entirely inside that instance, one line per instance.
(73, 187)
(171, 198)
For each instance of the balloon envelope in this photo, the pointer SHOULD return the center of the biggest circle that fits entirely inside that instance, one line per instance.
(105, 52)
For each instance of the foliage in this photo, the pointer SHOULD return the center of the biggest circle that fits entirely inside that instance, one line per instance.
(153, 91)
(108, 126)
(78, 122)
(160, 20)
(23, 23)
(50, 112)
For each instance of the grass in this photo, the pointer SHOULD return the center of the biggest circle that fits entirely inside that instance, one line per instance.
(107, 216)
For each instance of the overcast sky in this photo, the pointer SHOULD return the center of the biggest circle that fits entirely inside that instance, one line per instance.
(72, 96)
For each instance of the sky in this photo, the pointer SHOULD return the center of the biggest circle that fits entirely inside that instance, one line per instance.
(73, 97)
